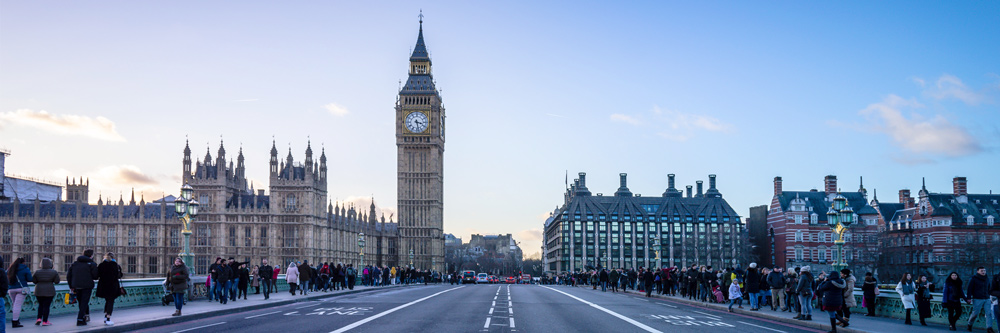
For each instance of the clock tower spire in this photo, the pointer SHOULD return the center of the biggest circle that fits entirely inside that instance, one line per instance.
(420, 141)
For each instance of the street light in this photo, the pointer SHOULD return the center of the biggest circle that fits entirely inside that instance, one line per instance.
(656, 249)
(361, 244)
(839, 217)
(187, 209)
(411, 258)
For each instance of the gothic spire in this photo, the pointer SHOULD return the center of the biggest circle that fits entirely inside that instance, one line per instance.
(420, 50)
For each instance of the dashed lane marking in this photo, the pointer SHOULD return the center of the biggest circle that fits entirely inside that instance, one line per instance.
(617, 315)
(262, 314)
(758, 326)
(708, 315)
(487, 322)
(199, 327)
(363, 321)
(511, 322)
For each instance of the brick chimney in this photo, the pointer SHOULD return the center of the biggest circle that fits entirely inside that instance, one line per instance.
(688, 191)
(905, 199)
(830, 184)
(700, 186)
(959, 186)
(777, 185)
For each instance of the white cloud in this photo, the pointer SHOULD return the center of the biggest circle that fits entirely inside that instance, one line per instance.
(70, 125)
(531, 235)
(949, 86)
(916, 134)
(625, 119)
(336, 110)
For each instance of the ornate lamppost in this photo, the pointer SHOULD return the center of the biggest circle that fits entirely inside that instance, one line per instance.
(840, 217)
(187, 209)
(361, 244)
(656, 250)
(411, 258)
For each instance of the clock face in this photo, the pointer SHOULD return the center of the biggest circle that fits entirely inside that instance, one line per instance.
(416, 122)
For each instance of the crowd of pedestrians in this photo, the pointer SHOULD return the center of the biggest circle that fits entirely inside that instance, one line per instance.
(799, 291)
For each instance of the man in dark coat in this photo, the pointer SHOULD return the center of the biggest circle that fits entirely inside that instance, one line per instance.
(776, 280)
(305, 275)
(81, 278)
(604, 280)
(647, 282)
(979, 292)
(234, 277)
(752, 284)
(265, 278)
(613, 277)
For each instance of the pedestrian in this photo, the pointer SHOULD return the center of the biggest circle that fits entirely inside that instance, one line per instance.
(604, 280)
(81, 278)
(235, 279)
(265, 278)
(753, 286)
(735, 295)
(304, 277)
(255, 279)
(924, 297)
(849, 300)
(952, 298)
(351, 276)
(243, 282)
(19, 275)
(274, 278)
(45, 280)
(647, 279)
(776, 280)
(870, 291)
(978, 291)
(906, 289)
(292, 277)
(995, 293)
(4, 287)
(805, 292)
(833, 299)
(177, 282)
(215, 273)
(109, 285)
(791, 295)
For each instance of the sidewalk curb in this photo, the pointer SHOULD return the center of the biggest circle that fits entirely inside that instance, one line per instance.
(224, 311)
(757, 314)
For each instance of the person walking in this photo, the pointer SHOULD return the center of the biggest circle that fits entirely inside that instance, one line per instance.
(274, 278)
(265, 278)
(81, 278)
(19, 275)
(923, 296)
(805, 291)
(45, 280)
(791, 293)
(952, 298)
(979, 292)
(109, 285)
(4, 287)
(177, 282)
(870, 291)
(833, 299)
(215, 272)
(304, 277)
(647, 279)
(292, 277)
(255, 279)
(907, 288)
(235, 279)
(753, 286)
(604, 280)
(776, 280)
(735, 295)
(243, 282)
(849, 300)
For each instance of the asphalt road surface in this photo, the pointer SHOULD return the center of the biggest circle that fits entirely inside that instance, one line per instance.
(484, 308)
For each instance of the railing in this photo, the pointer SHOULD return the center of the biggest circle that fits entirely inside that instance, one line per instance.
(140, 292)
(890, 305)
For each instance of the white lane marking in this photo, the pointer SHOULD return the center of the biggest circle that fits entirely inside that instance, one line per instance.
(487, 326)
(498, 288)
(361, 322)
(510, 304)
(665, 304)
(511, 310)
(491, 310)
(199, 327)
(708, 315)
(494, 303)
(262, 314)
(511, 322)
(619, 316)
(494, 298)
(758, 326)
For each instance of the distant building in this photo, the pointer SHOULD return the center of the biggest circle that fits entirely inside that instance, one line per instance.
(25, 189)
(802, 236)
(587, 231)
(759, 237)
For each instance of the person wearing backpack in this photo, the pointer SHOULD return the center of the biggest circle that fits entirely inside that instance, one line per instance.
(178, 279)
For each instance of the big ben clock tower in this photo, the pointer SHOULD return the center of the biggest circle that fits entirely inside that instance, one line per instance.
(420, 164)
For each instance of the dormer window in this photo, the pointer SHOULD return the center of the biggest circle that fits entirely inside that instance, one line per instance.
(989, 220)
(969, 219)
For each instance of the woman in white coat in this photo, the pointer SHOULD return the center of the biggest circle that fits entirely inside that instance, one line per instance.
(292, 277)
(907, 290)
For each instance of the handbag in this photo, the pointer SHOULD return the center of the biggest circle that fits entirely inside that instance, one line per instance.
(69, 299)
(121, 289)
(876, 291)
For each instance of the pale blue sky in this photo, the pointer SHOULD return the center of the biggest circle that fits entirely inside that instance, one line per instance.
(892, 91)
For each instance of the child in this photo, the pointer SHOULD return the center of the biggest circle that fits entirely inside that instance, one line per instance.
(735, 295)
(717, 292)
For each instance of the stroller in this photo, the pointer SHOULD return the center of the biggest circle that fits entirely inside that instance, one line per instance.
(718, 294)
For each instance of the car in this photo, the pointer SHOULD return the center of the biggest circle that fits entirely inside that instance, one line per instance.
(482, 278)
(468, 277)
(511, 280)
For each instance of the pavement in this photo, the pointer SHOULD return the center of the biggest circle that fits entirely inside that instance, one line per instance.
(135, 318)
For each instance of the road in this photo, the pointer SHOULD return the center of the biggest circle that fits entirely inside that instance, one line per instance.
(483, 308)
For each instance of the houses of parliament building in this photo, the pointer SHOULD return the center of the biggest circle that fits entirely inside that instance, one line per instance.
(294, 220)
